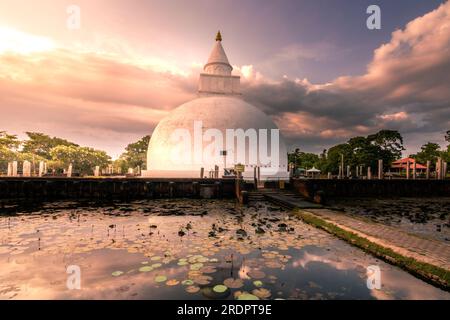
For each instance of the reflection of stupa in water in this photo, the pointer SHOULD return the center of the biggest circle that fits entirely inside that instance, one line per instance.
(219, 106)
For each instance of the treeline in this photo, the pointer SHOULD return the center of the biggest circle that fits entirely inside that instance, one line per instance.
(60, 153)
(366, 151)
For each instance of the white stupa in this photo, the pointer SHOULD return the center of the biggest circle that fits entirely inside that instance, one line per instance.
(208, 121)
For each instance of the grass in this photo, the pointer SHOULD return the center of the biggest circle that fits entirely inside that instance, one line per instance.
(428, 272)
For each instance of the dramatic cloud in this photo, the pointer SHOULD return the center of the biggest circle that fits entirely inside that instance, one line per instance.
(107, 101)
(84, 95)
(406, 87)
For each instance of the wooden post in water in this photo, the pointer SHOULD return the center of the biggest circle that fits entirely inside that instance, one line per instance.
(407, 169)
(380, 169)
(369, 173)
(428, 169)
(238, 185)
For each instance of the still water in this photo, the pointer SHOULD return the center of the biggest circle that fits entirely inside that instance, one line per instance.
(184, 249)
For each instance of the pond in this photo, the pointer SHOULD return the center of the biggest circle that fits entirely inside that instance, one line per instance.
(183, 249)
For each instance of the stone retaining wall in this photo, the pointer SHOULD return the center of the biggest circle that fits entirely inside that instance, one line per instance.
(114, 188)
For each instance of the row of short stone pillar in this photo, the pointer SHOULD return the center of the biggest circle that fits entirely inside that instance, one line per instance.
(212, 174)
(26, 169)
(411, 170)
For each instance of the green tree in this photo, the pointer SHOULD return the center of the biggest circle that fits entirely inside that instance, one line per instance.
(366, 151)
(390, 142)
(83, 159)
(41, 144)
(428, 152)
(303, 159)
(9, 141)
(136, 153)
(8, 149)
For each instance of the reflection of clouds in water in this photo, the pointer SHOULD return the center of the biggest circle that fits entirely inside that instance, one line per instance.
(243, 271)
(309, 257)
(397, 284)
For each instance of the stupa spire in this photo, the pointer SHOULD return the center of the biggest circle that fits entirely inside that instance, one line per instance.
(217, 77)
(218, 36)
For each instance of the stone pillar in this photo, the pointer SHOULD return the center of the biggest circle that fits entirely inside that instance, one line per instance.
(41, 169)
(216, 172)
(357, 171)
(14, 168)
(26, 169)
(342, 166)
(428, 169)
(10, 169)
(444, 170)
(340, 173)
(69, 171)
(380, 169)
(259, 173)
(369, 173)
(407, 169)
(329, 175)
(45, 167)
(438, 169)
(202, 173)
(97, 171)
(348, 172)
(414, 170)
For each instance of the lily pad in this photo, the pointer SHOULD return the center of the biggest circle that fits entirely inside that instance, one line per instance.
(182, 263)
(187, 282)
(247, 296)
(117, 273)
(145, 269)
(192, 289)
(220, 288)
(172, 282)
(155, 258)
(156, 265)
(208, 269)
(210, 293)
(256, 274)
(257, 283)
(196, 266)
(160, 278)
(233, 283)
(262, 293)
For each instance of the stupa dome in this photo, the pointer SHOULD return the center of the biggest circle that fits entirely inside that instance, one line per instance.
(209, 123)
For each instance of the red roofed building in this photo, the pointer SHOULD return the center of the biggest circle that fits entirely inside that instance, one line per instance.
(402, 164)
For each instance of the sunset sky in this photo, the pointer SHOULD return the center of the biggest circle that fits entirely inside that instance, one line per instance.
(313, 66)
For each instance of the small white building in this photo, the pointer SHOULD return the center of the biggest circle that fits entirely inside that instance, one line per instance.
(209, 122)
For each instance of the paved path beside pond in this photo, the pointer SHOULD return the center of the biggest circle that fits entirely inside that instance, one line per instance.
(421, 249)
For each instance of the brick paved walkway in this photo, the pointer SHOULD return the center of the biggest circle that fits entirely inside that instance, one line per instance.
(426, 250)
